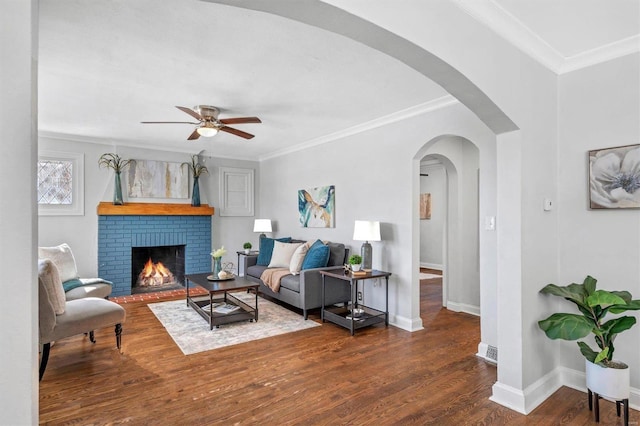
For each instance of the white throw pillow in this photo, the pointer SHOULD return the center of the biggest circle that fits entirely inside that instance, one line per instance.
(50, 279)
(63, 258)
(298, 257)
(282, 252)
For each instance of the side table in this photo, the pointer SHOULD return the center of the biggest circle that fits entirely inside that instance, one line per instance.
(242, 253)
(343, 316)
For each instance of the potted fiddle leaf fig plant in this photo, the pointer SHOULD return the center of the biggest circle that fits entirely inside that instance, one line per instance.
(605, 375)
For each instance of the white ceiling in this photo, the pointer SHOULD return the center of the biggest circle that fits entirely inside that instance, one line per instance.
(106, 65)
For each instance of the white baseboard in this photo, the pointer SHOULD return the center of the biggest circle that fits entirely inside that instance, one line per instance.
(535, 394)
(406, 323)
(509, 397)
(463, 307)
(432, 266)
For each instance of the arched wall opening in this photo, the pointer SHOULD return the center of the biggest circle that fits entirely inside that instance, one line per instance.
(460, 248)
(505, 161)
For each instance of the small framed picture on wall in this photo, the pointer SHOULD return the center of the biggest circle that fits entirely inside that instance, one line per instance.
(614, 177)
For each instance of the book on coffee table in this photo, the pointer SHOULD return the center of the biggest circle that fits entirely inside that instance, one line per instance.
(225, 308)
(222, 308)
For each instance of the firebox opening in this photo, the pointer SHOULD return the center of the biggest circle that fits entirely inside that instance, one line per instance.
(157, 268)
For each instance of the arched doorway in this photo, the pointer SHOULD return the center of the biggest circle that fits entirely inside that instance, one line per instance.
(467, 251)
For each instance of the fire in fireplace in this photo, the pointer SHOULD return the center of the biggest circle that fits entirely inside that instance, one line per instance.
(157, 268)
(154, 274)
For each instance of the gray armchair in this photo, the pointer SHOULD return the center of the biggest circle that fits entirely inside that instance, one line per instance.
(59, 318)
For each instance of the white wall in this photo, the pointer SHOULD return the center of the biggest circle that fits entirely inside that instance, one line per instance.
(527, 93)
(599, 107)
(432, 230)
(376, 177)
(18, 227)
(81, 232)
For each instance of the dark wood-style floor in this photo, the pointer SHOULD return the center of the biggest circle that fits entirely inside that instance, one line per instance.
(323, 376)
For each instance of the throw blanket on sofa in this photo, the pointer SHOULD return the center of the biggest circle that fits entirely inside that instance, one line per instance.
(271, 277)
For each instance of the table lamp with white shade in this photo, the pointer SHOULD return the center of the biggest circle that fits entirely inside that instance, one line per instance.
(366, 230)
(262, 226)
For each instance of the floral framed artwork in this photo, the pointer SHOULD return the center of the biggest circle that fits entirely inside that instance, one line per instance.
(614, 177)
(316, 207)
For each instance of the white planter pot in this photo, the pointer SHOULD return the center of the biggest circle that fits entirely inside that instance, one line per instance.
(355, 268)
(247, 251)
(612, 383)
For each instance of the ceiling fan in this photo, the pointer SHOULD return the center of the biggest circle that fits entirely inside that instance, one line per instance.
(208, 122)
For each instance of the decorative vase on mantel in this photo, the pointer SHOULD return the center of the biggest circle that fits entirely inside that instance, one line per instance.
(117, 191)
(195, 196)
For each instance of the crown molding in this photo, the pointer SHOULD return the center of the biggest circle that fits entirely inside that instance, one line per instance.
(413, 111)
(602, 54)
(507, 26)
(127, 144)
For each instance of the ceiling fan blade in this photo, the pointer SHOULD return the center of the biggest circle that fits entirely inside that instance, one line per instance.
(191, 112)
(236, 132)
(168, 122)
(240, 120)
(193, 136)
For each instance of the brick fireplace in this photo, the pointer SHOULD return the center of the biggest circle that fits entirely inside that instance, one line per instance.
(121, 229)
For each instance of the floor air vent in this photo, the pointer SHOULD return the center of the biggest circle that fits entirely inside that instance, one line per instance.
(492, 353)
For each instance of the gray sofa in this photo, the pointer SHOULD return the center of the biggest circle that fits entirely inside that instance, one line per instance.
(304, 291)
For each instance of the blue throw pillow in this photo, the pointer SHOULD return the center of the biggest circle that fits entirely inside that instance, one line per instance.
(266, 249)
(317, 256)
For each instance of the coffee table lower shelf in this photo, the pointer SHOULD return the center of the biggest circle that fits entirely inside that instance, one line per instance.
(221, 292)
(216, 319)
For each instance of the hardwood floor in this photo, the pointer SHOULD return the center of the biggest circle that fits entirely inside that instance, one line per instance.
(321, 376)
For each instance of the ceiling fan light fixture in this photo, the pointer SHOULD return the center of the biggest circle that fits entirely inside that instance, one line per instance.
(207, 132)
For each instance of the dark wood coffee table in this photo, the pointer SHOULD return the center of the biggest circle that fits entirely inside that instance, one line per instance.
(222, 289)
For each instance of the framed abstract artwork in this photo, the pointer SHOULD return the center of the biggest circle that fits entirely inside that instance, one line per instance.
(425, 206)
(614, 178)
(316, 207)
(157, 179)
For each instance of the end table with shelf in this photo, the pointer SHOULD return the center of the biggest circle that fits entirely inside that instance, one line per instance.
(244, 253)
(343, 315)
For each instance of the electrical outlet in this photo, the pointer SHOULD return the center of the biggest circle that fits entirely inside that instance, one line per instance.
(359, 295)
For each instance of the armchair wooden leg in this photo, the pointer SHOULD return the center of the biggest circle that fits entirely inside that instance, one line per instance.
(45, 358)
(118, 335)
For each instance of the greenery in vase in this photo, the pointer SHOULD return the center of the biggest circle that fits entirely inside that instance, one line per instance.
(355, 259)
(247, 246)
(196, 168)
(218, 253)
(593, 306)
(114, 161)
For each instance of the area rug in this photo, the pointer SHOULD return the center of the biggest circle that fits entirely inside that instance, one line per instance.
(425, 276)
(192, 335)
